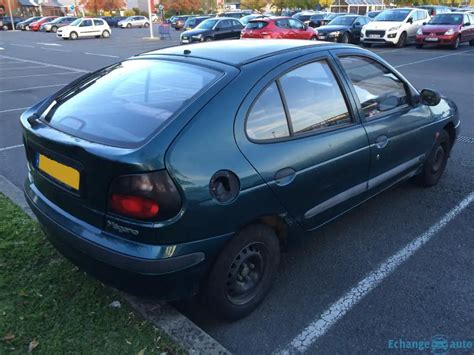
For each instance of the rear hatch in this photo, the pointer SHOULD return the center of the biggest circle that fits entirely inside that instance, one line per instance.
(100, 127)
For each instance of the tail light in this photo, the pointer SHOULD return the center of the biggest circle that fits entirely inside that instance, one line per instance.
(150, 196)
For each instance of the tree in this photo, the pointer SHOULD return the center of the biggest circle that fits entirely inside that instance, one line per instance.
(253, 4)
(96, 6)
(179, 6)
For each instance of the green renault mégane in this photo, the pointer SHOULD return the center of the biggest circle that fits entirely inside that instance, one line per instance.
(183, 170)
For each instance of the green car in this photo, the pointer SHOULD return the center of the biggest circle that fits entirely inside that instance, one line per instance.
(183, 170)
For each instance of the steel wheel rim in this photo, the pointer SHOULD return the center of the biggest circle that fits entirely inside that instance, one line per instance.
(438, 159)
(246, 273)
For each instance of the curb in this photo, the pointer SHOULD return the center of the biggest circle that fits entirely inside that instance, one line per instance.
(178, 327)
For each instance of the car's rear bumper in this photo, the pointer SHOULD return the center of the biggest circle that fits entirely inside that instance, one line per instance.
(438, 40)
(164, 271)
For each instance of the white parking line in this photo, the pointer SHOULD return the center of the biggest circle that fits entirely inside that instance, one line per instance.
(33, 88)
(22, 45)
(434, 58)
(9, 62)
(46, 64)
(11, 147)
(341, 307)
(14, 109)
(35, 75)
(49, 44)
(32, 67)
(102, 55)
(56, 49)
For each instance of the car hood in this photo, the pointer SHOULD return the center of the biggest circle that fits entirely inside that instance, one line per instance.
(333, 28)
(195, 32)
(382, 25)
(439, 28)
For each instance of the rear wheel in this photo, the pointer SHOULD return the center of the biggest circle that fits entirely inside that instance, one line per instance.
(436, 162)
(5, 27)
(243, 272)
(345, 38)
(456, 43)
(402, 41)
(129, 25)
(54, 29)
(73, 35)
(106, 34)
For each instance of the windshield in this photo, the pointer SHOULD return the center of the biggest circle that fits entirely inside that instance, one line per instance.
(393, 15)
(76, 22)
(343, 20)
(208, 24)
(58, 20)
(127, 104)
(190, 22)
(446, 19)
(129, 18)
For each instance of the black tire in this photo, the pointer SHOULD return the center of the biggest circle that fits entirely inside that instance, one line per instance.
(419, 46)
(146, 25)
(367, 45)
(471, 42)
(402, 41)
(54, 29)
(208, 39)
(456, 43)
(243, 273)
(105, 34)
(129, 25)
(73, 36)
(345, 38)
(5, 27)
(435, 164)
(314, 38)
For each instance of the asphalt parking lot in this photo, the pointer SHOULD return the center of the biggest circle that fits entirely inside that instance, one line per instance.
(431, 293)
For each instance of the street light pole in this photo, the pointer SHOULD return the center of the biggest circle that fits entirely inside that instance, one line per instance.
(11, 15)
(149, 17)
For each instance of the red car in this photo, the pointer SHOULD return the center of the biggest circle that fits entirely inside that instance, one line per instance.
(35, 26)
(278, 27)
(447, 29)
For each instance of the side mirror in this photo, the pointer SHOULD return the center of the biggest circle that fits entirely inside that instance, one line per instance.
(467, 24)
(357, 24)
(430, 97)
(410, 20)
(424, 23)
(387, 103)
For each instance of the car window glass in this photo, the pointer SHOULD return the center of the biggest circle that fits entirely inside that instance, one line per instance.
(466, 19)
(314, 98)
(282, 23)
(98, 23)
(421, 15)
(267, 119)
(295, 24)
(377, 88)
(86, 23)
(236, 23)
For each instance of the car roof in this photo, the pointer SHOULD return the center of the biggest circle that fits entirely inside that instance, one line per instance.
(238, 53)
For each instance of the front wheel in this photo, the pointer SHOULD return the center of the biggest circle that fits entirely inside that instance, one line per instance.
(345, 38)
(5, 27)
(106, 34)
(73, 35)
(54, 29)
(243, 272)
(129, 25)
(147, 25)
(436, 162)
(456, 43)
(402, 41)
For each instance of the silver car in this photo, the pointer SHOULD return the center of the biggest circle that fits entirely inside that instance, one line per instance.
(134, 21)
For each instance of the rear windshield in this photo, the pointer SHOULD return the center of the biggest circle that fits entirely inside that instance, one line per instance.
(253, 25)
(129, 103)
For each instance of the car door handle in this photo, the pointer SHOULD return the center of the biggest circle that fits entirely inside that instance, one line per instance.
(381, 142)
(284, 176)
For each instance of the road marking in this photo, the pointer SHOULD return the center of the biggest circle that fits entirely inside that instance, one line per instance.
(11, 147)
(434, 58)
(33, 88)
(2, 49)
(14, 109)
(56, 49)
(35, 75)
(22, 45)
(49, 44)
(343, 305)
(11, 62)
(102, 55)
(46, 64)
(32, 67)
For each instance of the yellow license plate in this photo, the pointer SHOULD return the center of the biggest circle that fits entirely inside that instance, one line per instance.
(63, 173)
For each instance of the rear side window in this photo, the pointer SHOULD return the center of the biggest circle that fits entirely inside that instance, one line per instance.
(99, 23)
(377, 88)
(256, 25)
(128, 104)
(267, 119)
(313, 98)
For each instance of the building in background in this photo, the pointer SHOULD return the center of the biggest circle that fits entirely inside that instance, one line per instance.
(360, 7)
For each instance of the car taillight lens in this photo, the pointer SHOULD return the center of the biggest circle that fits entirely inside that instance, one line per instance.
(150, 196)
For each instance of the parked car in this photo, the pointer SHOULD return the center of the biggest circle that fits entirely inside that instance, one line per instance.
(85, 27)
(57, 23)
(213, 29)
(6, 22)
(304, 16)
(192, 22)
(233, 14)
(373, 14)
(278, 27)
(24, 25)
(315, 20)
(134, 21)
(394, 26)
(35, 26)
(448, 29)
(194, 189)
(331, 16)
(343, 29)
(113, 21)
(244, 20)
(178, 22)
(434, 10)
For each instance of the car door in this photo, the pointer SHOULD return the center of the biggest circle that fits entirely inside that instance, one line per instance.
(357, 27)
(236, 28)
(284, 30)
(86, 28)
(298, 30)
(467, 30)
(412, 25)
(298, 130)
(98, 27)
(397, 125)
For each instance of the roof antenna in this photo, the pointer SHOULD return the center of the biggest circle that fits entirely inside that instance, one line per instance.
(187, 51)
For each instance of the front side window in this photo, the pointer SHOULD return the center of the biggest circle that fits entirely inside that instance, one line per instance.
(267, 119)
(377, 88)
(314, 98)
(282, 23)
(295, 24)
(86, 23)
(127, 104)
